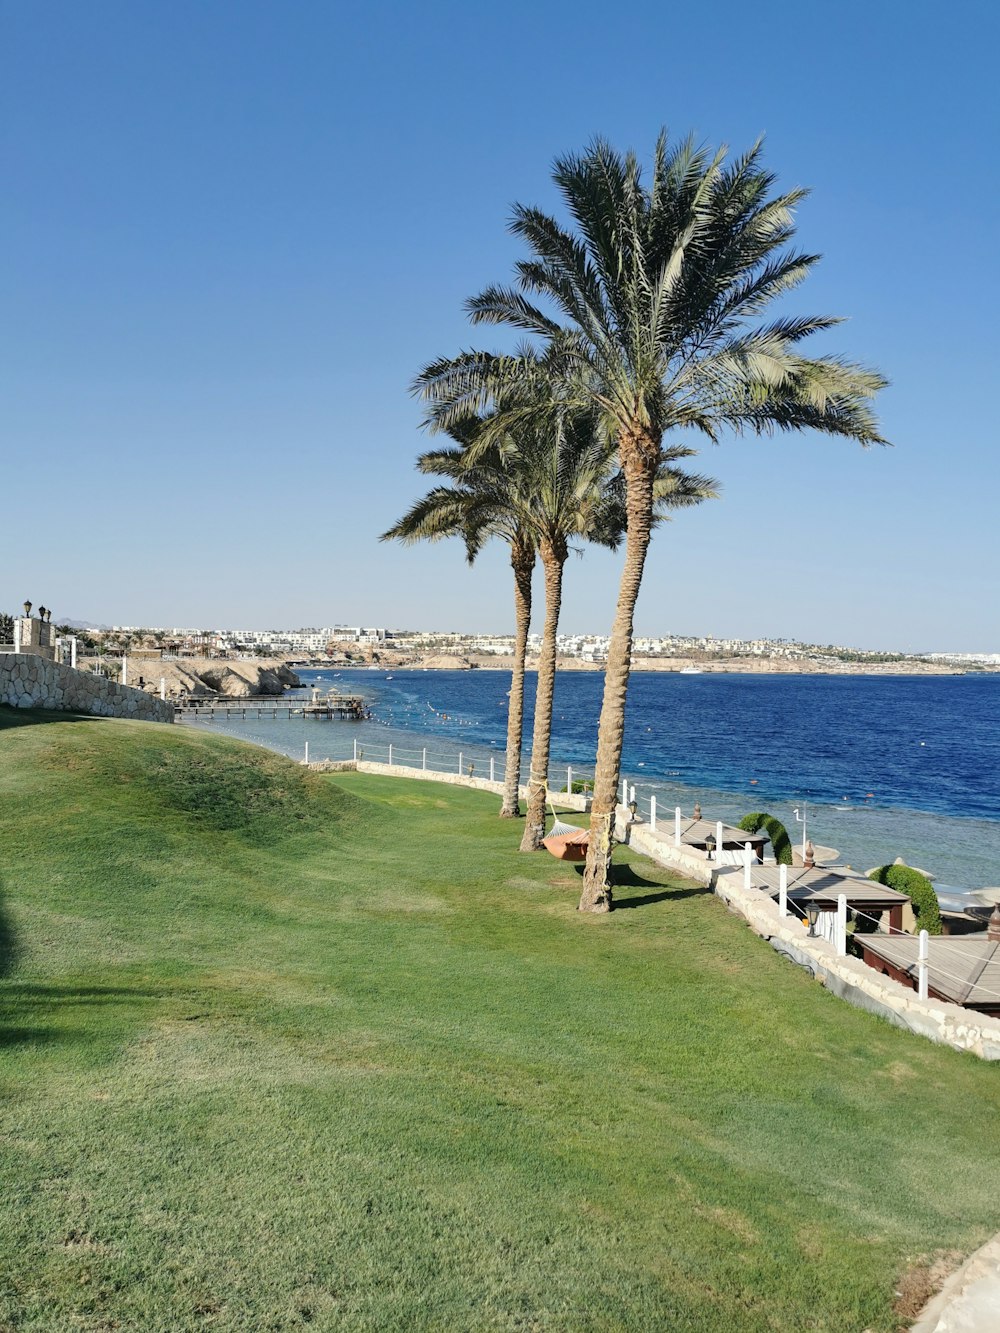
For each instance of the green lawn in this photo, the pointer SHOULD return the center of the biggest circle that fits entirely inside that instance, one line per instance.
(283, 1051)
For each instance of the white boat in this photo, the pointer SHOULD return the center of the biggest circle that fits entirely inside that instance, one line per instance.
(691, 671)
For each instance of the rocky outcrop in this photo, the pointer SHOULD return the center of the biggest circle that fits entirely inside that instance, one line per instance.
(242, 678)
(195, 677)
(446, 662)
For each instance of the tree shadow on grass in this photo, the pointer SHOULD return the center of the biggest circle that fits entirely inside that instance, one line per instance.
(60, 995)
(23, 1004)
(8, 940)
(31, 717)
(665, 895)
(625, 877)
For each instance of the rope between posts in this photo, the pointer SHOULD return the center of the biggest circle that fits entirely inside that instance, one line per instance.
(942, 944)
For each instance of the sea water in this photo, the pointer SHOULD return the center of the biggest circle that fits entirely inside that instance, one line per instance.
(880, 766)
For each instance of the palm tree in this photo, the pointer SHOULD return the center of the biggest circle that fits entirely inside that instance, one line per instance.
(655, 292)
(553, 475)
(559, 464)
(477, 507)
(571, 493)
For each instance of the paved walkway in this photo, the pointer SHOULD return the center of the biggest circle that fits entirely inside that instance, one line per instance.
(969, 1302)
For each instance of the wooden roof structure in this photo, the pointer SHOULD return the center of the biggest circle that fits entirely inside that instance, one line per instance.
(694, 832)
(821, 887)
(964, 969)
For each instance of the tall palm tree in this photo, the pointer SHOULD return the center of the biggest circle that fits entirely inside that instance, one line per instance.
(477, 507)
(652, 298)
(553, 473)
(574, 494)
(562, 464)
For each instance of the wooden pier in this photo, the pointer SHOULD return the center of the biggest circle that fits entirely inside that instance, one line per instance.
(349, 706)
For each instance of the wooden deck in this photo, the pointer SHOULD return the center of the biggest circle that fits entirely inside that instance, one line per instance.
(350, 706)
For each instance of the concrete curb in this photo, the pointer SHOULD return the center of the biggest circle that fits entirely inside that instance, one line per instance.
(969, 1301)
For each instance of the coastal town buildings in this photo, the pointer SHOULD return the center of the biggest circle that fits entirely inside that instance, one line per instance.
(585, 648)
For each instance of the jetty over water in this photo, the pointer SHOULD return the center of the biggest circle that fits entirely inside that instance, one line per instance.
(349, 706)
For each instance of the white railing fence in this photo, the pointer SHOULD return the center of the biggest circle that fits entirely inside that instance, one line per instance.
(655, 803)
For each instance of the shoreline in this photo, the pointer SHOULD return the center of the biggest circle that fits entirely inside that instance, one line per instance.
(675, 666)
(962, 850)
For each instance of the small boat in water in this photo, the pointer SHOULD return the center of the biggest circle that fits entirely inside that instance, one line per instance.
(691, 671)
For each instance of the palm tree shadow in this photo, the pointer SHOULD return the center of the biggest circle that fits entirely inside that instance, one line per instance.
(625, 877)
(8, 940)
(25, 1003)
(664, 895)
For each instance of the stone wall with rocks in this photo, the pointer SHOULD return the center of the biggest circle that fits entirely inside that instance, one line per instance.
(27, 681)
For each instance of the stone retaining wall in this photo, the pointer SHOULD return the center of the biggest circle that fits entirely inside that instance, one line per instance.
(27, 681)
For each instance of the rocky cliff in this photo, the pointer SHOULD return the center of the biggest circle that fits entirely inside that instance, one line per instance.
(194, 676)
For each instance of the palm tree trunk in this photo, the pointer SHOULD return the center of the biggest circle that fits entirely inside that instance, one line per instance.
(522, 560)
(553, 559)
(639, 473)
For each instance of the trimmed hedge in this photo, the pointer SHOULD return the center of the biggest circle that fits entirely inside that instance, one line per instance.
(781, 843)
(919, 890)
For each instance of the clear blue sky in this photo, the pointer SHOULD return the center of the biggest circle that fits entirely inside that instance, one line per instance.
(235, 230)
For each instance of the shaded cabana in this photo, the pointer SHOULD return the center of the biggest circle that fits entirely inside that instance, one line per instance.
(702, 835)
(809, 886)
(963, 969)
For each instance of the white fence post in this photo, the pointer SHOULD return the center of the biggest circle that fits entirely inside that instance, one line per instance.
(124, 669)
(390, 756)
(460, 757)
(624, 791)
(306, 761)
(652, 813)
(493, 764)
(569, 780)
(922, 965)
(163, 684)
(840, 939)
(355, 749)
(677, 826)
(72, 651)
(17, 634)
(423, 760)
(718, 843)
(747, 854)
(782, 890)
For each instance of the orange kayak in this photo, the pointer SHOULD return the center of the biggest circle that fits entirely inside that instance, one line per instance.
(568, 846)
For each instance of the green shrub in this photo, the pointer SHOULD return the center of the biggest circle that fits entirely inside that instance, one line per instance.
(781, 843)
(581, 786)
(919, 890)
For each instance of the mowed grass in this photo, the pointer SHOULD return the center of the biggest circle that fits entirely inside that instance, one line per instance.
(285, 1051)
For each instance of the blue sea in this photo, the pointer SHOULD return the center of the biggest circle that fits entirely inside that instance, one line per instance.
(882, 766)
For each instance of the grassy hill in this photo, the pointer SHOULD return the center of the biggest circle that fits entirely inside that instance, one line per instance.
(282, 1051)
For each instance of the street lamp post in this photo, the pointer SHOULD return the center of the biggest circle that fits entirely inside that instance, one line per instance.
(801, 819)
